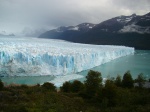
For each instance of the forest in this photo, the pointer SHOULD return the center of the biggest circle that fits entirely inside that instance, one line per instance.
(115, 94)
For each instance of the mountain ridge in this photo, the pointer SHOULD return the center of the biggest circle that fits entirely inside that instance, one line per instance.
(132, 31)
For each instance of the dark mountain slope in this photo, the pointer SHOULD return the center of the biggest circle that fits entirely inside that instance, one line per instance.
(133, 31)
(68, 32)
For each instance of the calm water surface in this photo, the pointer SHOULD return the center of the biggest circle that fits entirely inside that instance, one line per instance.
(137, 63)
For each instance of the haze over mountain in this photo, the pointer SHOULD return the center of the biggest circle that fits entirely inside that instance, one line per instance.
(133, 30)
(3, 33)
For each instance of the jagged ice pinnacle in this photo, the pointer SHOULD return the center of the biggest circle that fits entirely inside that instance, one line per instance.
(34, 57)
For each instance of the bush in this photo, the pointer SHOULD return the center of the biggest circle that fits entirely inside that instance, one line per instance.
(22, 109)
(76, 86)
(66, 87)
(1, 85)
(24, 86)
(49, 86)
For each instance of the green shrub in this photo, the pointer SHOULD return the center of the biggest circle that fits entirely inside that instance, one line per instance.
(49, 86)
(66, 87)
(1, 85)
(76, 86)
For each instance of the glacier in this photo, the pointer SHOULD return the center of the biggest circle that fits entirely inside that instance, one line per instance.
(36, 57)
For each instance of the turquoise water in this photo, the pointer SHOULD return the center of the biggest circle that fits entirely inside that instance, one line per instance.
(30, 80)
(137, 63)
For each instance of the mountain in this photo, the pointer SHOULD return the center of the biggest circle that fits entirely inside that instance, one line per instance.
(3, 33)
(133, 31)
(68, 32)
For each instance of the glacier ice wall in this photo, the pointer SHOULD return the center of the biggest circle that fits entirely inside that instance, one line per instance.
(34, 57)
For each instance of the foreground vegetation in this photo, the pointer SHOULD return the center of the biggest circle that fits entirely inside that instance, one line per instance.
(116, 95)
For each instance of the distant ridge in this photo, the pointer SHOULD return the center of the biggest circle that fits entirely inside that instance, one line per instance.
(133, 31)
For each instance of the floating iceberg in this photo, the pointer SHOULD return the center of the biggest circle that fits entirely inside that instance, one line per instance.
(34, 57)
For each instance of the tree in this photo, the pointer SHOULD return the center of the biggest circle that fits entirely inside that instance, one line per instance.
(140, 80)
(109, 92)
(127, 80)
(118, 81)
(76, 86)
(49, 86)
(93, 82)
(66, 87)
(1, 85)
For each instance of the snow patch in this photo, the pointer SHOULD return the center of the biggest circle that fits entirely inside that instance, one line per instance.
(74, 28)
(104, 30)
(124, 19)
(118, 20)
(135, 28)
(128, 19)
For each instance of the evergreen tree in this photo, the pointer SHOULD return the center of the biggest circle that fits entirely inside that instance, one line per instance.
(1, 85)
(49, 86)
(140, 80)
(76, 86)
(110, 92)
(127, 80)
(66, 87)
(93, 83)
(118, 81)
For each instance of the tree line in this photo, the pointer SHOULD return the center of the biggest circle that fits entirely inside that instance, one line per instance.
(112, 95)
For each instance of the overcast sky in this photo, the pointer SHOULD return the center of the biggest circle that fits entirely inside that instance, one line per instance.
(35, 16)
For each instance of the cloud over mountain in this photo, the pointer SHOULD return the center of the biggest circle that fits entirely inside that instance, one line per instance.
(15, 15)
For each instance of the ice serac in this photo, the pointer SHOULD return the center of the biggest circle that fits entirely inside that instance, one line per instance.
(34, 57)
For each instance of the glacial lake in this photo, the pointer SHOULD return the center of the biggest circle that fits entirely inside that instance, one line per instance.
(136, 64)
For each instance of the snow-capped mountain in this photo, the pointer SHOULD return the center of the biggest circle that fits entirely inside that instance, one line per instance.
(125, 24)
(69, 32)
(139, 24)
(81, 27)
(133, 31)
(114, 24)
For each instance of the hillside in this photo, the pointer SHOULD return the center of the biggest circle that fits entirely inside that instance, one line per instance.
(133, 31)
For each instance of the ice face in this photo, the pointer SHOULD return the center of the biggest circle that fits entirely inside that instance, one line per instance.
(34, 57)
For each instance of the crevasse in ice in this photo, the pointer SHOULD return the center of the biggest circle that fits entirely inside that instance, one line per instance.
(34, 57)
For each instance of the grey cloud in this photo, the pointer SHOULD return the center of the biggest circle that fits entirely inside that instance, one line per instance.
(18, 15)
